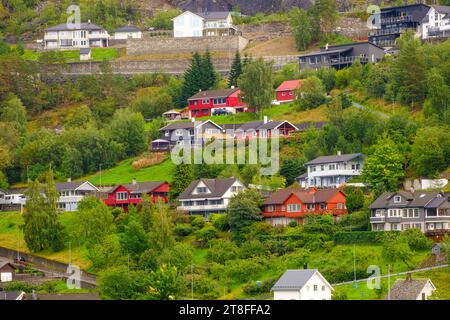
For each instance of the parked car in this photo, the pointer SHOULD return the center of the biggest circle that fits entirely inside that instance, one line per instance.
(219, 112)
(275, 103)
(21, 261)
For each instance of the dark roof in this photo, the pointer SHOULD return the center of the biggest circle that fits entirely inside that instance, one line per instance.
(68, 27)
(143, 187)
(127, 29)
(213, 15)
(220, 93)
(85, 50)
(217, 188)
(10, 295)
(416, 199)
(293, 279)
(179, 125)
(305, 125)
(329, 51)
(341, 48)
(251, 125)
(336, 158)
(408, 289)
(443, 10)
(3, 264)
(273, 124)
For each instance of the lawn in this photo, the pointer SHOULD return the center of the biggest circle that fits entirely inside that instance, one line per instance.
(124, 173)
(286, 111)
(98, 54)
(12, 237)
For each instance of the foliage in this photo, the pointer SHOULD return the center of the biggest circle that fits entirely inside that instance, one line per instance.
(235, 71)
(312, 93)
(220, 221)
(221, 251)
(243, 210)
(355, 198)
(183, 176)
(292, 168)
(302, 28)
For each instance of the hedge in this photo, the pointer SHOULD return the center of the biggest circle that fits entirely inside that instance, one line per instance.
(359, 237)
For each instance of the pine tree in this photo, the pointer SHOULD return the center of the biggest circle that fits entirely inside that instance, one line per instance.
(207, 71)
(236, 70)
(192, 77)
(182, 177)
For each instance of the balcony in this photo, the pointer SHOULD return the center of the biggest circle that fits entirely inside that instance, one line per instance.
(218, 25)
(398, 19)
(337, 172)
(386, 32)
(51, 36)
(207, 207)
(375, 219)
(98, 35)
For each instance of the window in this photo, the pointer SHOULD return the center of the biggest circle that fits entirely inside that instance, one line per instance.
(293, 208)
(310, 206)
(332, 167)
(205, 101)
(315, 287)
(219, 100)
(321, 168)
(122, 196)
(271, 208)
(202, 190)
(323, 206)
(179, 132)
(394, 226)
(323, 288)
(340, 206)
(397, 199)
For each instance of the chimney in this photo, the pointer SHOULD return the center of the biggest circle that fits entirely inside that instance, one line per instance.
(134, 182)
(305, 266)
(199, 90)
(69, 179)
(266, 119)
(193, 119)
(89, 21)
(233, 87)
(339, 153)
(327, 46)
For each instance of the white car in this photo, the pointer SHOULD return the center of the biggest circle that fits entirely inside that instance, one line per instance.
(276, 103)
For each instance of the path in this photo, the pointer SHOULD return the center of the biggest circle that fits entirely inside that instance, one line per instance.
(362, 107)
(395, 274)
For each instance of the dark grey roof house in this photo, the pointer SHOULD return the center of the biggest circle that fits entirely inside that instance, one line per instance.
(411, 289)
(428, 211)
(342, 56)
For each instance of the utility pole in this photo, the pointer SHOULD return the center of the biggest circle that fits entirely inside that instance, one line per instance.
(389, 282)
(192, 281)
(355, 285)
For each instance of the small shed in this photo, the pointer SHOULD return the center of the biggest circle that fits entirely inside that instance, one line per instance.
(7, 272)
(436, 249)
(172, 115)
(85, 54)
(411, 289)
(160, 145)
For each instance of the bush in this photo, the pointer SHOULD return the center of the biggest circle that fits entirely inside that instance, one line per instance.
(293, 224)
(252, 288)
(251, 249)
(361, 237)
(183, 230)
(220, 221)
(206, 234)
(221, 251)
(416, 239)
(198, 222)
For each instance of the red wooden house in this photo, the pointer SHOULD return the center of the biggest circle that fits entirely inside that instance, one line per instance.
(288, 205)
(126, 194)
(204, 103)
(286, 91)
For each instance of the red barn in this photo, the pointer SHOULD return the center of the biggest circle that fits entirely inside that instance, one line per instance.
(204, 103)
(289, 205)
(286, 91)
(126, 194)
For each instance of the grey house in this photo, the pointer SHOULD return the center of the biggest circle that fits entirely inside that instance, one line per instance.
(402, 210)
(342, 56)
(190, 133)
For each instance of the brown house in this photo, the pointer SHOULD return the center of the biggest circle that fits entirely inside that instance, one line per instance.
(7, 272)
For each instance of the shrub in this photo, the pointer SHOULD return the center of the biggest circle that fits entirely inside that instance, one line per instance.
(206, 234)
(220, 221)
(361, 237)
(293, 224)
(221, 251)
(254, 288)
(416, 239)
(251, 249)
(183, 230)
(198, 222)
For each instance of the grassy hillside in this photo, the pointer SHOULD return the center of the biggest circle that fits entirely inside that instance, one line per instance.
(124, 173)
(97, 54)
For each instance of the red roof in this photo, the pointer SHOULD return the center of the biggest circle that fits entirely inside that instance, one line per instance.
(289, 85)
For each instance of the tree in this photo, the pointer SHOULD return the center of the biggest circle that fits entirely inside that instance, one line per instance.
(192, 78)
(42, 227)
(325, 14)
(120, 284)
(328, 78)
(207, 72)
(408, 71)
(394, 249)
(221, 251)
(134, 240)
(312, 93)
(179, 256)
(128, 128)
(384, 167)
(94, 221)
(183, 176)
(438, 97)
(79, 118)
(14, 112)
(302, 28)
(430, 152)
(235, 71)
(292, 168)
(256, 84)
(166, 283)
(161, 235)
(416, 239)
(376, 80)
(107, 253)
(355, 198)
(244, 210)
(146, 212)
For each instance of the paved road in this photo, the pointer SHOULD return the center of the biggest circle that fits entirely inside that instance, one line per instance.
(362, 107)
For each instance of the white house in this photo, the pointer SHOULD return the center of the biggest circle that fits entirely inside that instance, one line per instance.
(71, 193)
(411, 289)
(306, 284)
(13, 200)
(436, 23)
(7, 271)
(332, 171)
(127, 32)
(200, 24)
(208, 196)
(70, 36)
